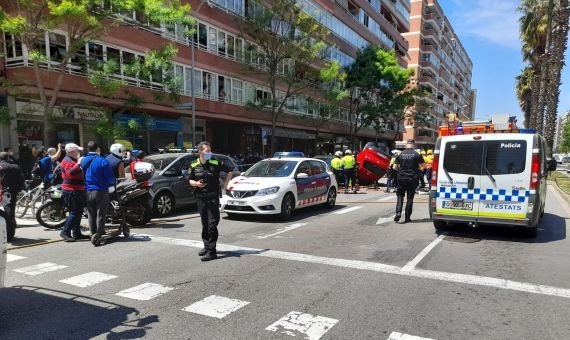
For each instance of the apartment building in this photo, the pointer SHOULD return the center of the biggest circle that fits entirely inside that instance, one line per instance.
(564, 118)
(221, 87)
(442, 68)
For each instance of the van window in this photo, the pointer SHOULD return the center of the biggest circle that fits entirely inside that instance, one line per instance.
(506, 157)
(463, 157)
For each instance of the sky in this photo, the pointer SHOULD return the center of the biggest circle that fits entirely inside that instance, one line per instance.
(488, 29)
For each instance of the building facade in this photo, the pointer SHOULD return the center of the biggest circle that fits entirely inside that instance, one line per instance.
(222, 88)
(565, 118)
(443, 70)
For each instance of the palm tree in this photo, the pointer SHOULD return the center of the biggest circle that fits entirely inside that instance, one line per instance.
(524, 93)
(561, 16)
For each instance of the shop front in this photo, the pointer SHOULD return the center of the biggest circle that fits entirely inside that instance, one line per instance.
(153, 133)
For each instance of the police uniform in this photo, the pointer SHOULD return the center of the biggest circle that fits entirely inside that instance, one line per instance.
(337, 165)
(349, 171)
(208, 199)
(409, 173)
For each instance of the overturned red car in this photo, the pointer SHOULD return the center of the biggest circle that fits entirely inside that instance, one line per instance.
(373, 164)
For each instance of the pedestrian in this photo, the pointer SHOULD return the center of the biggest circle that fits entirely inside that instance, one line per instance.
(349, 163)
(337, 166)
(115, 160)
(46, 164)
(8, 150)
(73, 192)
(98, 178)
(11, 179)
(408, 164)
(205, 179)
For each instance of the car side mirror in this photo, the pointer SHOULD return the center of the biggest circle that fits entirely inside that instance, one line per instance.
(302, 175)
(552, 165)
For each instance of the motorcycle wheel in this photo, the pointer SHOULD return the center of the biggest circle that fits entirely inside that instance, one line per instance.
(51, 215)
(140, 219)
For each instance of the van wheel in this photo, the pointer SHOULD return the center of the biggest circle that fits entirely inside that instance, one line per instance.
(439, 225)
(286, 208)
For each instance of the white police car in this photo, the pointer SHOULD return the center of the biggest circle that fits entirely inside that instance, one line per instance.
(277, 186)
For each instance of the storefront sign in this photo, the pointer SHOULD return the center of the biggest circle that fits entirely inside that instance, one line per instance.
(35, 109)
(87, 114)
(151, 123)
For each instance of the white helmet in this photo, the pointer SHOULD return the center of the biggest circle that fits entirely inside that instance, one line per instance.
(348, 152)
(338, 153)
(117, 149)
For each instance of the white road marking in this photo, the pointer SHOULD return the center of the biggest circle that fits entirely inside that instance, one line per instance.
(376, 267)
(347, 210)
(216, 306)
(413, 263)
(88, 279)
(382, 220)
(144, 292)
(12, 257)
(282, 230)
(38, 269)
(297, 323)
(387, 198)
(401, 336)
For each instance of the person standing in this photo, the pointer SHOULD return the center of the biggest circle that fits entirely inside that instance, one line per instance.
(205, 179)
(98, 178)
(391, 175)
(429, 164)
(349, 163)
(73, 192)
(116, 160)
(47, 163)
(337, 166)
(11, 179)
(423, 170)
(408, 164)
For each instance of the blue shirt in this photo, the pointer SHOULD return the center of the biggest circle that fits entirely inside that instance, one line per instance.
(99, 175)
(47, 168)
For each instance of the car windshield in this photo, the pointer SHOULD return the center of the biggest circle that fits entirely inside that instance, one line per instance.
(272, 168)
(160, 163)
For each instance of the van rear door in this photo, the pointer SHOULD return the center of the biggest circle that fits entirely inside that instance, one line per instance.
(505, 183)
(459, 175)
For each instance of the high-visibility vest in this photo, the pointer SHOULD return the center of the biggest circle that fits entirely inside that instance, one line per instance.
(428, 160)
(349, 162)
(336, 163)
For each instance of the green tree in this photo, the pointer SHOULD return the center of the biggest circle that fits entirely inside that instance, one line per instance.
(378, 89)
(524, 93)
(287, 45)
(565, 144)
(84, 21)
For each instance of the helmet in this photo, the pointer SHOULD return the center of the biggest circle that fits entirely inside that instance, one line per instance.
(338, 153)
(348, 152)
(423, 153)
(430, 152)
(117, 149)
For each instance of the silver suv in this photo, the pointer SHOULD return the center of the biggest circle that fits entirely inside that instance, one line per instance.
(169, 187)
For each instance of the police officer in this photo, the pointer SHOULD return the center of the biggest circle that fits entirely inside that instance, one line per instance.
(349, 171)
(429, 163)
(423, 171)
(408, 164)
(337, 166)
(205, 179)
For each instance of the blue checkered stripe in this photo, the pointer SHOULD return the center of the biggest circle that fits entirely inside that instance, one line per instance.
(502, 195)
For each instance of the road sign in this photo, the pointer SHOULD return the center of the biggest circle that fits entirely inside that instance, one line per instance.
(264, 136)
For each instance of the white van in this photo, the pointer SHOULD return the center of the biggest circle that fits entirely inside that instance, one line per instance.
(491, 178)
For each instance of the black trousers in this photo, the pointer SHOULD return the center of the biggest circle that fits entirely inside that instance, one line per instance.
(209, 210)
(406, 186)
(349, 177)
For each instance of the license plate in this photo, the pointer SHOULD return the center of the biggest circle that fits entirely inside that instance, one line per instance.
(457, 205)
(239, 203)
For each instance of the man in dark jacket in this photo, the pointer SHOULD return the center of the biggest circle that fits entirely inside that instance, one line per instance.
(11, 179)
(408, 164)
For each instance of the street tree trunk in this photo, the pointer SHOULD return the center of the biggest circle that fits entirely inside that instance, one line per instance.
(545, 61)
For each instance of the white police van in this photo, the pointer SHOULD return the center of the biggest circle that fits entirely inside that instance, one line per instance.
(490, 178)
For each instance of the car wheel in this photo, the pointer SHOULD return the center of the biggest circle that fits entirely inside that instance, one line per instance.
(163, 204)
(286, 207)
(331, 198)
(439, 225)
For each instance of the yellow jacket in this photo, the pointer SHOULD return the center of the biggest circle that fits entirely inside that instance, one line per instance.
(348, 161)
(337, 163)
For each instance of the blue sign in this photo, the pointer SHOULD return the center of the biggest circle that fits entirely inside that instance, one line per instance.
(152, 123)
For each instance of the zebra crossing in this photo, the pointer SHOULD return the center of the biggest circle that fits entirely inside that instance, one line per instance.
(295, 323)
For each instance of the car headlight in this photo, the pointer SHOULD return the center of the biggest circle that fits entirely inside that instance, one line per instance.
(267, 191)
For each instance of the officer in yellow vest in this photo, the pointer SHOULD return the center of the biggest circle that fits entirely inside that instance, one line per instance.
(429, 162)
(349, 171)
(337, 166)
(205, 179)
(423, 170)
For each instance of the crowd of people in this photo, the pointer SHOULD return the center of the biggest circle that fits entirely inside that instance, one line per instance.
(345, 169)
(85, 180)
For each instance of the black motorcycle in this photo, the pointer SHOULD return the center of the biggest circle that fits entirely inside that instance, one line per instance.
(129, 202)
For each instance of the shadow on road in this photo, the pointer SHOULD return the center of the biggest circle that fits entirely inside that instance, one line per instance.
(239, 253)
(298, 215)
(39, 313)
(22, 241)
(551, 228)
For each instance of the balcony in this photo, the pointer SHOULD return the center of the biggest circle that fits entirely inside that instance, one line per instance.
(429, 80)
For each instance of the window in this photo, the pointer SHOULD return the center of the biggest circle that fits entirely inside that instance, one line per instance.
(202, 35)
(207, 84)
(221, 43)
(80, 59)
(114, 54)
(13, 46)
(231, 46)
(317, 168)
(237, 90)
(505, 157)
(127, 63)
(463, 157)
(239, 48)
(95, 53)
(57, 46)
(212, 39)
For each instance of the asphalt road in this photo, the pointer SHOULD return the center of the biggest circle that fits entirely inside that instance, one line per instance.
(349, 273)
